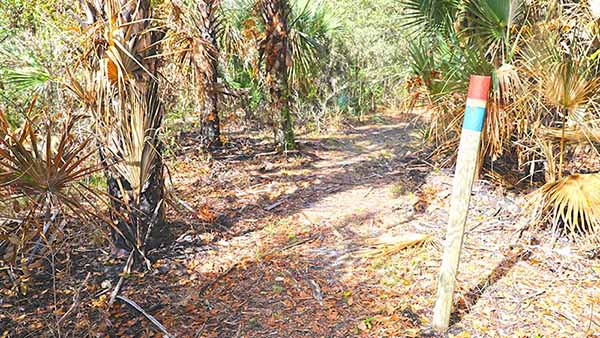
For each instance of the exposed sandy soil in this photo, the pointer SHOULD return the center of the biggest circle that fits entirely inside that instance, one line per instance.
(290, 246)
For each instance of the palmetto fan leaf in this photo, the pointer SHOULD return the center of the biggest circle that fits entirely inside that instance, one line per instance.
(567, 85)
(489, 23)
(22, 69)
(310, 27)
(457, 62)
(26, 78)
(572, 205)
(237, 29)
(35, 165)
(41, 165)
(432, 16)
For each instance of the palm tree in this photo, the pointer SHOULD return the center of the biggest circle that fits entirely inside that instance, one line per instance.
(275, 50)
(119, 87)
(193, 39)
(208, 69)
(295, 37)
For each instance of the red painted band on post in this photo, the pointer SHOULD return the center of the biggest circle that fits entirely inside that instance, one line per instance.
(479, 87)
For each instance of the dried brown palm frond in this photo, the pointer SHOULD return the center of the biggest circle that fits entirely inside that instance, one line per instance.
(567, 85)
(40, 181)
(510, 85)
(564, 79)
(571, 205)
(571, 135)
(504, 112)
(387, 245)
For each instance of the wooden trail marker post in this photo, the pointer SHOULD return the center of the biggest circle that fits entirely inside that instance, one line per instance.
(466, 164)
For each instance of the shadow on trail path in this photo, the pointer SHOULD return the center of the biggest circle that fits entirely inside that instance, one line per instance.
(369, 156)
(282, 260)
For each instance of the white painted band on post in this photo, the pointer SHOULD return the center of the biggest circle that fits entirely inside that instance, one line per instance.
(476, 103)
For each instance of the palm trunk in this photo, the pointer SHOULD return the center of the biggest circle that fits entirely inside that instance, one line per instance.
(140, 220)
(128, 115)
(138, 210)
(208, 69)
(286, 130)
(275, 48)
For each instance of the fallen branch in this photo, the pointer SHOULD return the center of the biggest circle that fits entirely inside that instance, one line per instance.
(151, 318)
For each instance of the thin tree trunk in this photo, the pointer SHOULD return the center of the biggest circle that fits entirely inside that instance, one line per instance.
(211, 131)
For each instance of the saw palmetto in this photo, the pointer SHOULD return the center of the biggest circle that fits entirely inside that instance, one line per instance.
(567, 86)
(572, 205)
(42, 166)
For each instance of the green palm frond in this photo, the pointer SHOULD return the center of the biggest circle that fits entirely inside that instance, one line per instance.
(457, 63)
(34, 78)
(430, 16)
(237, 29)
(21, 69)
(421, 58)
(490, 23)
(310, 26)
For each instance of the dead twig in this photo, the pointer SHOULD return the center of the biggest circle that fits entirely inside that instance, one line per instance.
(126, 270)
(267, 154)
(276, 204)
(300, 242)
(76, 299)
(151, 318)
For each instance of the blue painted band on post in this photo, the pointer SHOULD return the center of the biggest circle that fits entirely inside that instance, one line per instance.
(474, 117)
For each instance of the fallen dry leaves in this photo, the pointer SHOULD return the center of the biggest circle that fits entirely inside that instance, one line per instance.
(307, 247)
